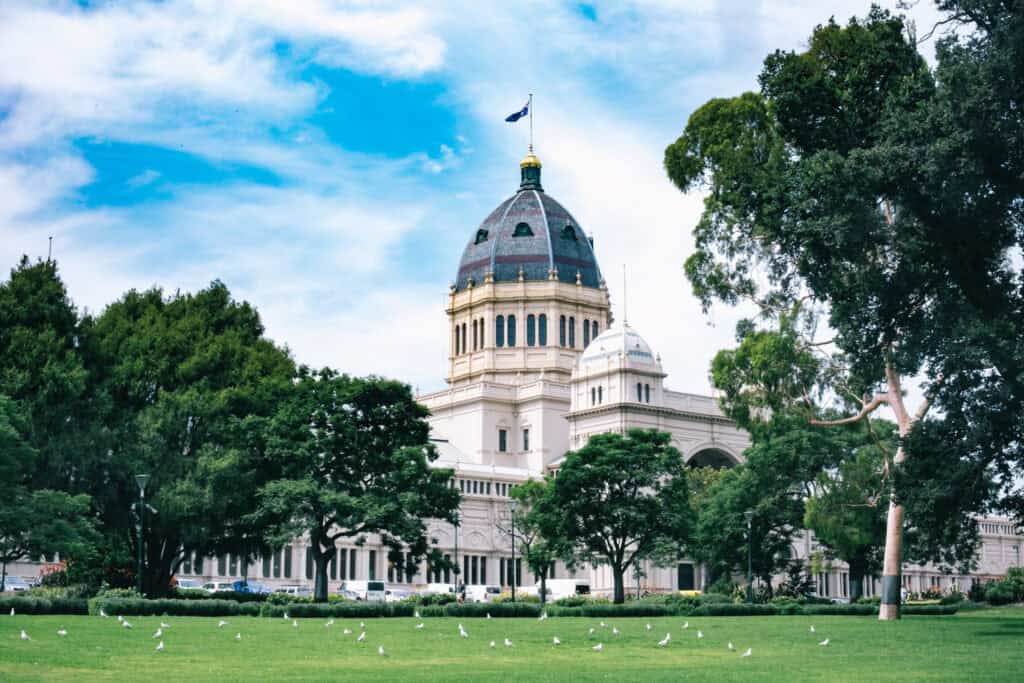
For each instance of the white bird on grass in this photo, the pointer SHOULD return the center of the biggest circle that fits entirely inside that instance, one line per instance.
(492, 644)
(603, 625)
(556, 641)
(160, 646)
(163, 625)
(12, 611)
(125, 624)
(347, 632)
(824, 643)
(664, 641)
(731, 646)
(103, 614)
(362, 637)
(812, 628)
(286, 616)
(462, 632)
(591, 631)
(488, 615)
(615, 631)
(686, 626)
(295, 623)
(329, 623)
(420, 625)
(62, 633)
(221, 623)
(749, 652)
(159, 632)
(598, 647)
(508, 643)
(362, 624)
(649, 627)
(416, 614)
(238, 636)
(543, 616)
(380, 651)
(699, 635)
(24, 636)
(120, 618)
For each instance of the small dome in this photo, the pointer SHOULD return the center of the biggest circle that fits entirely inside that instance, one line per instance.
(530, 236)
(619, 340)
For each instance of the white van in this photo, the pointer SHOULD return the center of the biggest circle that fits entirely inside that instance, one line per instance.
(370, 591)
(567, 588)
(482, 593)
(438, 588)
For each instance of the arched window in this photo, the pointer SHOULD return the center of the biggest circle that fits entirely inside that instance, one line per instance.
(593, 396)
(531, 330)
(586, 333)
(483, 339)
(600, 394)
(542, 329)
(458, 339)
(481, 236)
(647, 393)
(639, 393)
(464, 342)
(511, 334)
(474, 335)
(561, 331)
(572, 332)
(593, 329)
(499, 331)
(522, 230)
(568, 233)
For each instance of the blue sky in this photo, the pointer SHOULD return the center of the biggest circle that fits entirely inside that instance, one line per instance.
(329, 160)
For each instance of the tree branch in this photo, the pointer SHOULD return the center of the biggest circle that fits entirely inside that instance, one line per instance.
(868, 408)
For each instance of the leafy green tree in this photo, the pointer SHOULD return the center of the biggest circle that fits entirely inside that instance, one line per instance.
(35, 522)
(540, 552)
(618, 500)
(176, 375)
(351, 457)
(859, 185)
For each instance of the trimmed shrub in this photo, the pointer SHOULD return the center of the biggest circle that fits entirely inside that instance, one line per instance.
(199, 594)
(179, 608)
(929, 610)
(519, 598)
(432, 611)
(125, 593)
(495, 609)
(953, 598)
(841, 610)
(741, 609)
(345, 610)
(1000, 593)
(434, 599)
(287, 599)
(38, 605)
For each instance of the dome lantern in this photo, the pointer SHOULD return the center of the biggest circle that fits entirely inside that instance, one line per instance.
(529, 170)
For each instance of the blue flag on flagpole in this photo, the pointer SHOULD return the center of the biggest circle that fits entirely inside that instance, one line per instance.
(512, 118)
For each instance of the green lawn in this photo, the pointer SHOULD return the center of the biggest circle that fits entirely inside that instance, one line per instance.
(983, 645)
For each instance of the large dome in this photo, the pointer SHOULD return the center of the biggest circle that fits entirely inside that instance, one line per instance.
(620, 341)
(531, 233)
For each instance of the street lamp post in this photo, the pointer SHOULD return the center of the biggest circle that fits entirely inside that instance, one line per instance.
(141, 480)
(749, 514)
(512, 569)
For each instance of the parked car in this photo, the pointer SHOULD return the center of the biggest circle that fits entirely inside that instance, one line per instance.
(348, 594)
(370, 591)
(16, 584)
(254, 587)
(396, 594)
(191, 584)
(219, 587)
(565, 588)
(482, 593)
(302, 591)
(438, 588)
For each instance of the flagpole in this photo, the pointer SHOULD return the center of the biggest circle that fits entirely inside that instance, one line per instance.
(531, 122)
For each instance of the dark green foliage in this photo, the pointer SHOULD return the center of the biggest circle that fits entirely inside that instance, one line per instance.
(618, 500)
(181, 608)
(348, 610)
(39, 605)
(495, 609)
(929, 610)
(733, 610)
(363, 468)
(846, 610)
(434, 599)
(198, 594)
(1006, 591)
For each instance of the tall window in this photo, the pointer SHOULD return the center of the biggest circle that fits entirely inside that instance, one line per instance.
(483, 339)
(502, 440)
(458, 339)
(309, 562)
(586, 333)
(410, 568)
(372, 574)
(197, 566)
(277, 564)
(474, 335)
(499, 331)
(593, 396)
(561, 331)
(526, 439)
(222, 566)
(600, 394)
(447, 570)
(287, 562)
(647, 393)
(464, 337)
(639, 393)
(593, 329)
(572, 332)
(266, 566)
(352, 563)
(342, 563)
(511, 332)
(531, 330)
(542, 324)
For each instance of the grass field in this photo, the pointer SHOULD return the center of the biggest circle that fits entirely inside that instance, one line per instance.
(985, 645)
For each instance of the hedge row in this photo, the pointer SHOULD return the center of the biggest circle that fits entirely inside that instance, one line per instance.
(199, 594)
(350, 610)
(180, 608)
(32, 605)
(929, 610)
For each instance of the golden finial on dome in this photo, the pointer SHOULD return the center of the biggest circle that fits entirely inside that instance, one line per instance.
(530, 160)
